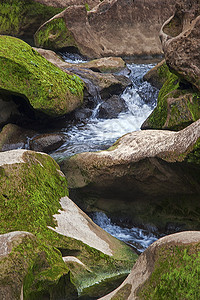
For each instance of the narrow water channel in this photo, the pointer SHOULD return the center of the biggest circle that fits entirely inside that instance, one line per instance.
(97, 134)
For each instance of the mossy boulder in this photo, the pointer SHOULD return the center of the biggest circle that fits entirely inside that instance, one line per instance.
(26, 73)
(157, 75)
(178, 104)
(29, 269)
(21, 18)
(168, 269)
(156, 171)
(34, 198)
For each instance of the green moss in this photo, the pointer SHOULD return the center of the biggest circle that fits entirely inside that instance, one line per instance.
(182, 109)
(31, 200)
(194, 106)
(25, 72)
(39, 267)
(54, 35)
(194, 156)
(158, 117)
(163, 72)
(175, 275)
(87, 7)
(17, 16)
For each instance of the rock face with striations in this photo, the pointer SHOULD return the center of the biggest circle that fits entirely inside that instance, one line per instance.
(162, 270)
(117, 28)
(178, 100)
(180, 36)
(151, 169)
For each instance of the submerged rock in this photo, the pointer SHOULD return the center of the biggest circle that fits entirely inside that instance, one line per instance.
(45, 87)
(154, 170)
(13, 137)
(47, 142)
(163, 270)
(34, 199)
(116, 28)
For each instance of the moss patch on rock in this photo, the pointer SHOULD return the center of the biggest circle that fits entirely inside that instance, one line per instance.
(23, 71)
(54, 35)
(177, 106)
(36, 266)
(23, 17)
(175, 275)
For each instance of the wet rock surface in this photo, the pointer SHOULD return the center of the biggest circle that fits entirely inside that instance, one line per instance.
(111, 108)
(46, 142)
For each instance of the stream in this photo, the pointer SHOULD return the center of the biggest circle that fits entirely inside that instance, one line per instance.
(98, 134)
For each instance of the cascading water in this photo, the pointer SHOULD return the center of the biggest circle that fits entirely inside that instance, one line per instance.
(98, 134)
(138, 238)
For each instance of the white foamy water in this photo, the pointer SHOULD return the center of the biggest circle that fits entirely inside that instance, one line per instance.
(98, 134)
(136, 237)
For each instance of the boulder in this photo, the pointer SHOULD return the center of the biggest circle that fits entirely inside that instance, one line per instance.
(13, 137)
(105, 64)
(177, 104)
(117, 28)
(46, 142)
(157, 75)
(157, 171)
(96, 83)
(162, 270)
(45, 88)
(63, 3)
(34, 198)
(112, 107)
